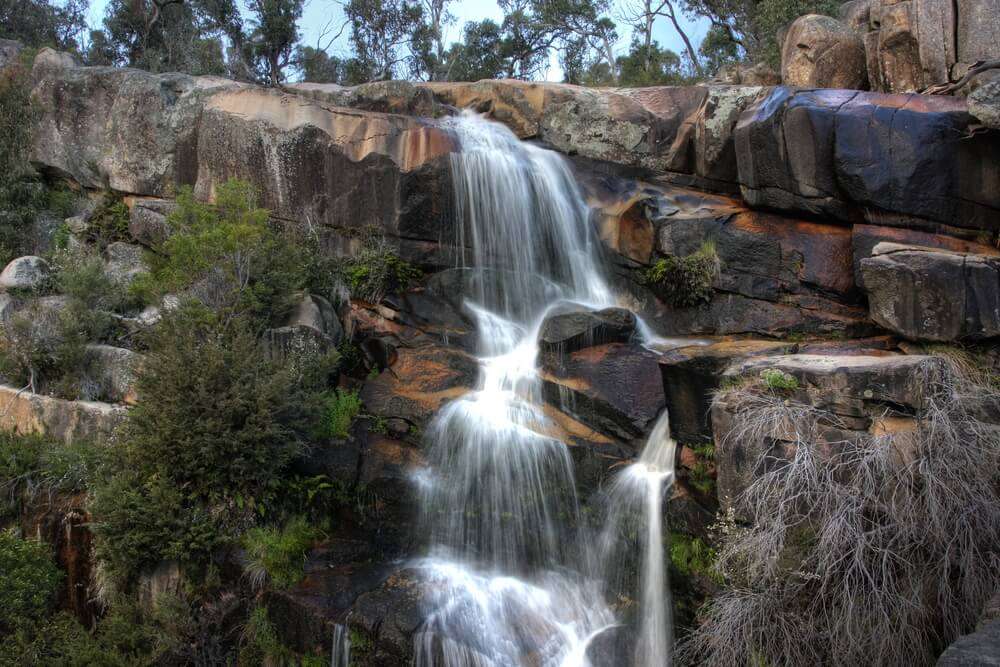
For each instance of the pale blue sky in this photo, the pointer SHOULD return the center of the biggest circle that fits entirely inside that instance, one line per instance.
(319, 12)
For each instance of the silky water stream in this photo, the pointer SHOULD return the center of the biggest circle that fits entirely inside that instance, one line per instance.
(512, 576)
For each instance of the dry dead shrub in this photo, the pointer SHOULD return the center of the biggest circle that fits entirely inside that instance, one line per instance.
(872, 551)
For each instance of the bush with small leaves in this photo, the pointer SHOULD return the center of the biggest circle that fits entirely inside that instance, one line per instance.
(29, 581)
(684, 281)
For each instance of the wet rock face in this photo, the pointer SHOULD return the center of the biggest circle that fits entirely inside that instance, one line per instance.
(934, 295)
(821, 52)
(568, 332)
(831, 152)
(614, 388)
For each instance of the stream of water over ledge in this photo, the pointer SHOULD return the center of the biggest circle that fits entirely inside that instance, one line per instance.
(514, 577)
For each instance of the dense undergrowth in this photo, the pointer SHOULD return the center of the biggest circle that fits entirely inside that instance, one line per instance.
(207, 465)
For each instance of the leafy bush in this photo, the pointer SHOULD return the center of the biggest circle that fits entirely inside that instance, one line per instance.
(203, 452)
(109, 221)
(340, 407)
(32, 464)
(376, 270)
(278, 554)
(776, 380)
(41, 350)
(227, 256)
(29, 581)
(684, 281)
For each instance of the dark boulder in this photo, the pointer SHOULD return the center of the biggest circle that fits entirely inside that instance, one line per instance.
(614, 388)
(846, 154)
(566, 332)
(935, 295)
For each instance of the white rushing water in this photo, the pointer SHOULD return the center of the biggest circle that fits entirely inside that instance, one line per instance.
(340, 654)
(637, 495)
(514, 578)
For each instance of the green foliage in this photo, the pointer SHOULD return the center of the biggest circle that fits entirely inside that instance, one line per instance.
(29, 582)
(376, 270)
(38, 23)
(227, 256)
(655, 66)
(340, 407)
(277, 554)
(203, 453)
(259, 643)
(777, 380)
(684, 281)
(691, 557)
(109, 221)
(32, 464)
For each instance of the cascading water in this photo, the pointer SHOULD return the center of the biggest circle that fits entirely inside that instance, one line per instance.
(513, 579)
(637, 493)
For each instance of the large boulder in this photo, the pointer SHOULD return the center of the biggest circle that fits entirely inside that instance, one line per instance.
(614, 388)
(821, 52)
(25, 273)
(934, 295)
(566, 332)
(903, 159)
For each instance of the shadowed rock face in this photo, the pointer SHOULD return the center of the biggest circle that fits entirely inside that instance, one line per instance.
(937, 295)
(839, 152)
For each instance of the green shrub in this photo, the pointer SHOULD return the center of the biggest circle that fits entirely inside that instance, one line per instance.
(227, 256)
(376, 270)
(32, 464)
(203, 453)
(278, 554)
(340, 407)
(259, 643)
(684, 281)
(109, 221)
(776, 380)
(690, 556)
(29, 582)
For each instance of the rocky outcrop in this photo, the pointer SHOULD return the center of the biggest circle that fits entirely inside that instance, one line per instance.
(914, 44)
(739, 74)
(68, 421)
(146, 134)
(852, 396)
(840, 153)
(935, 295)
(821, 52)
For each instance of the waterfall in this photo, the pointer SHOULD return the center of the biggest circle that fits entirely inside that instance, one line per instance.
(512, 577)
(340, 654)
(637, 493)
